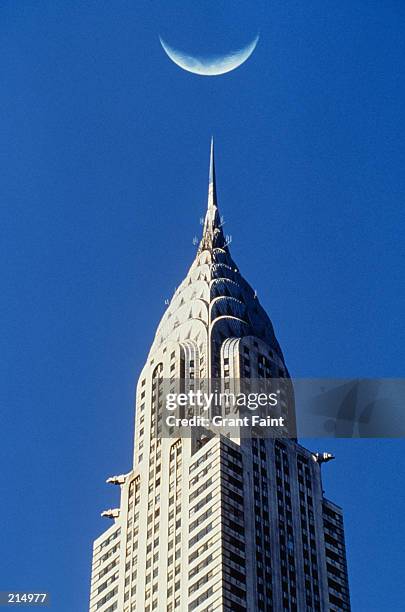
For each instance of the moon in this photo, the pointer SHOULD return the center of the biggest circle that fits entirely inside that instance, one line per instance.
(210, 66)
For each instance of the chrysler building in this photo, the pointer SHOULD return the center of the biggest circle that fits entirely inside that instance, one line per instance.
(217, 523)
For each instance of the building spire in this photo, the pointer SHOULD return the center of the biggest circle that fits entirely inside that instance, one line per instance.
(212, 234)
(212, 185)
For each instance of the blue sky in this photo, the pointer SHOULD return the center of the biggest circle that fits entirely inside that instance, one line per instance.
(104, 163)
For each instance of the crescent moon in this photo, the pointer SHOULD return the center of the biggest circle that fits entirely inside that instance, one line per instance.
(210, 66)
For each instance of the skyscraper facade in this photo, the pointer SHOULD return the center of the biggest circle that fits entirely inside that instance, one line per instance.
(217, 522)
